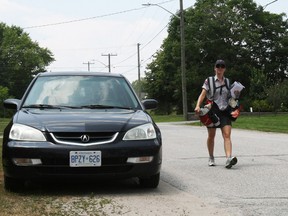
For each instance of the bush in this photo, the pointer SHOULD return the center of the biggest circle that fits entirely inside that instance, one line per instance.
(261, 106)
(277, 95)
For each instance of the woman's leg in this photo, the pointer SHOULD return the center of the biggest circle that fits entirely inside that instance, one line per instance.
(226, 133)
(210, 141)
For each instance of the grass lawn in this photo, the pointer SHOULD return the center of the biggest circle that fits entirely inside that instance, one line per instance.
(264, 122)
(268, 122)
(3, 123)
(167, 118)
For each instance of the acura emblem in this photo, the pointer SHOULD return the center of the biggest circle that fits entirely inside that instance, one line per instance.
(85, 138)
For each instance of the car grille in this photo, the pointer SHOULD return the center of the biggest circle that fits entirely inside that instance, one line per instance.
(84, 139)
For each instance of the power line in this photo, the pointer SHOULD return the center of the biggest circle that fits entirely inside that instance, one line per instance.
(134, 53)
(84, 19)
(90, 18)
(101, 16)
(146, 44)
(155, 36)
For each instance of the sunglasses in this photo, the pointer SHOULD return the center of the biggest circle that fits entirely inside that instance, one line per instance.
(220, 66)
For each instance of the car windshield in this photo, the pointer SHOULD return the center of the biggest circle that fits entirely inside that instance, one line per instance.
(90, 92)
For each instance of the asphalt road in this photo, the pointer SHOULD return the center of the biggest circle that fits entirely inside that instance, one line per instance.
(257, 185)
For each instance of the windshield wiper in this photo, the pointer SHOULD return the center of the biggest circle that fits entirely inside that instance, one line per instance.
(47, 106)
(43, 106)
(90, 106)
(100, 106)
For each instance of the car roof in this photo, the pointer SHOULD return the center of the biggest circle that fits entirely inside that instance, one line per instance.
(79, 73)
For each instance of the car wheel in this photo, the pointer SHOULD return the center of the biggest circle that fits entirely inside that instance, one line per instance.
(13, 185)
(150, 182)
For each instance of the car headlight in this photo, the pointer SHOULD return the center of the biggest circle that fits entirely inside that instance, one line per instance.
(25, 133)
(142, 132)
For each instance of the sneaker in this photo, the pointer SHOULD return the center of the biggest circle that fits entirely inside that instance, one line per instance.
(211, 162)
(231, 161)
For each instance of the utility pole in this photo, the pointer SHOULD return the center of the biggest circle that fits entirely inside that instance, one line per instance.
(139, 80)
(109, 60)
(88, 63)
(183, 64)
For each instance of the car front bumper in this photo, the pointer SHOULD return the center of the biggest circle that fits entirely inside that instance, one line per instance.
(116, 160)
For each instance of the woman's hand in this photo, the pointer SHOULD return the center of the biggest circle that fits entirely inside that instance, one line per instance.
(235, 113)
(199, 101)
(197, 110)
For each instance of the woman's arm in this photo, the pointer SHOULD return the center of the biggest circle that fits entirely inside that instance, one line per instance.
(200, 100)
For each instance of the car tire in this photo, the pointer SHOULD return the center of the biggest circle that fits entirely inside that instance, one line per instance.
(150, 182)
(13, 185)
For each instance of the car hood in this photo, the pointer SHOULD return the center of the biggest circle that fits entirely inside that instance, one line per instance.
(82, 120)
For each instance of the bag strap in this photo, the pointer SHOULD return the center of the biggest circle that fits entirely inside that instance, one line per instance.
(227, 83)
(212, 87)
(228, 86)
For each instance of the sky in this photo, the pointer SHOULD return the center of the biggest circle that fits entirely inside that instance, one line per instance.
(82, 33)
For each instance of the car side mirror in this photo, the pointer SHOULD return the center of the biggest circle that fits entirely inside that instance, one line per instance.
(12, 103)
(150, 103)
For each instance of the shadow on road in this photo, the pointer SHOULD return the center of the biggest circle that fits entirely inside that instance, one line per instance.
(85, 187)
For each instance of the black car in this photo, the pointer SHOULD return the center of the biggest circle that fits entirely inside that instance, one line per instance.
(81, 125)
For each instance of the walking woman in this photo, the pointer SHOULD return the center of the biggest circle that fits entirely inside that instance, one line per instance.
(218, 94)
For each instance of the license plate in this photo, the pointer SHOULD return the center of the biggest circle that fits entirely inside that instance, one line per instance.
(85, 158)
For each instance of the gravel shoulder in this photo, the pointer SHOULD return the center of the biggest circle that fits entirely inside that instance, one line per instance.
(166, 200)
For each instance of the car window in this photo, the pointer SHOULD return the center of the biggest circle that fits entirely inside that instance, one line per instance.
(81, 91)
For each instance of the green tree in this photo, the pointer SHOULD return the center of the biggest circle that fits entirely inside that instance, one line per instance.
(139, 88)
(161, 81)
(258, 85)
(20, 59)
(248, 38)
(4, 94)
(278, 96)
